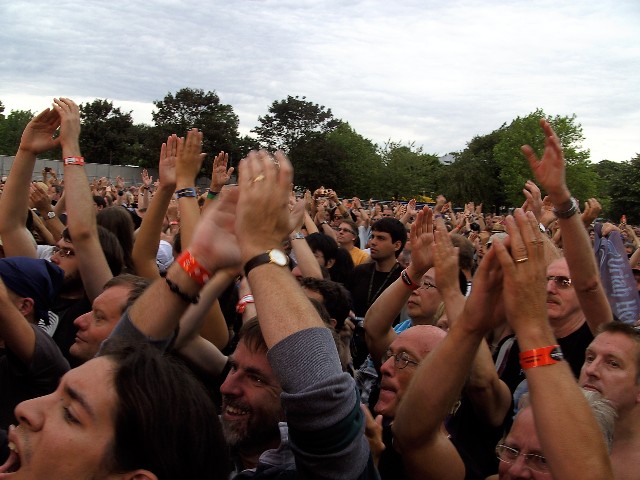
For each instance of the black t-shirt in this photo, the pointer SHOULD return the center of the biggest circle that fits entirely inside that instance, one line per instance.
(61, 317)
(366, 284)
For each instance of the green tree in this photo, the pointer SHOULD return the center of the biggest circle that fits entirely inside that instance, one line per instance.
(514, 168)
(475, 175)
(408, 171)
(290, 120)
(11, 128)
(621, 188)
(107, 134)
(195, 108)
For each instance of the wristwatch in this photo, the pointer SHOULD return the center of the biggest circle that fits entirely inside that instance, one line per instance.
(51, 215)
(277, 257)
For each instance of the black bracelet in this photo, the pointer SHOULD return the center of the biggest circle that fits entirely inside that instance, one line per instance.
(186, 192)
(175, 289)
(211, 194)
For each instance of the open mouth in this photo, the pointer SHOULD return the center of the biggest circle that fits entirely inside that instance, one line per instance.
(231, 412)
(12, 464)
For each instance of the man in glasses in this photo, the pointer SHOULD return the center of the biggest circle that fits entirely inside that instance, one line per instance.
(347, 237)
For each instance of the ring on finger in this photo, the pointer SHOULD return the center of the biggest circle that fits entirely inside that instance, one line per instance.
(522, 260)
(259, 178)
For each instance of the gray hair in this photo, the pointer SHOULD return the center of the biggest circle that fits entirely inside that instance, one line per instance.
(602, 410)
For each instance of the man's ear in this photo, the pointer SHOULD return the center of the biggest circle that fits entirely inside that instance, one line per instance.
(140, 475)
(397, 245)
(26, 306)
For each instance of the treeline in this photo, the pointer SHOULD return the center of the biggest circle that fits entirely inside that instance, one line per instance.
(328, 151)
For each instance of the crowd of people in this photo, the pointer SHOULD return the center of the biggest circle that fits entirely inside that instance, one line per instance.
(156, 331)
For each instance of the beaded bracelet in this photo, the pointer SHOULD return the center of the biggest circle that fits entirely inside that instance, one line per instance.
(175, 289)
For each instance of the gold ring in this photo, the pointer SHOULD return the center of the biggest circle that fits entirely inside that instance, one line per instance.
(522, 260)
(259, 178)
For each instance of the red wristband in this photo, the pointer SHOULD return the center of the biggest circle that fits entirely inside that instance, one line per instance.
(74, 161)
(242, 303)
(194, 269)
(539, 357)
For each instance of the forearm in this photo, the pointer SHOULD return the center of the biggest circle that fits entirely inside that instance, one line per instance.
(489, 395)
(378, 321)
(309, 266)
(148, 237)
(435, 387)
(286, 314)
(17, 334)
(205, 318)
(14, 202)
(189, 214)
(585, 275)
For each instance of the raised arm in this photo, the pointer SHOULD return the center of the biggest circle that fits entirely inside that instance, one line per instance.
(438, 381)
(220, 176)
(550, 173)
(567, 431)
(40, 200)
(378, 321)
(37, 138)
(81, 217)
(145, 247)
(320, 401)
(489, 395)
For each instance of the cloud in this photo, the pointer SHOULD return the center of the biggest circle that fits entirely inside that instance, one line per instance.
(432, 72)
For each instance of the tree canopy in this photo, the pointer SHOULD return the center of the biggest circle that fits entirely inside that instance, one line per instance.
(291, 119)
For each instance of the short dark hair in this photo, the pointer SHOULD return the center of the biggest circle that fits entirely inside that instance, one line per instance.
(137, 285)
(324, 243)
(251, 334)
(393, 227)
(165, 421)
(99, 201)
(337, 299)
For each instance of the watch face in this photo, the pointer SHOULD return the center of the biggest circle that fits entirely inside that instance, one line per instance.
(278, 257)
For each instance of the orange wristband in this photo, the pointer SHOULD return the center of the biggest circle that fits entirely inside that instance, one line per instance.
(74, 161)
(539, 357)
(194, 269)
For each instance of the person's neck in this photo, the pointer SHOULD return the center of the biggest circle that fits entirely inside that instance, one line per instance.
(385, 265)
(565, 327)
(72, 294)
(250, 455)
(626, 433)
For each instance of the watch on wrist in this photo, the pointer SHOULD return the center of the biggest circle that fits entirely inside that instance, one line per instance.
(275, 256)
(51, 215)
(568, 212)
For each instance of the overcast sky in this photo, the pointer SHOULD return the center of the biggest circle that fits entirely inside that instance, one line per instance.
(433, 72)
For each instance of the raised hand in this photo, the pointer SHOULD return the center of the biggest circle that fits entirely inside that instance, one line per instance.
(592, 209)
(421, 237)
(550, 169)
(38, 198)
(168, 160)
(37, 136)
(533, 200)
(119, 182)
(190, 159)
(220, 174)
(69, 114)
(524, 269)
(147, 181)
(263, 217)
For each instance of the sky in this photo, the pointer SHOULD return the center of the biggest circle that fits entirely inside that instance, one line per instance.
(432, 72)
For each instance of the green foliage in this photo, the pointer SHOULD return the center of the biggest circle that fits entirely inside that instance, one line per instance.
(195, 108)
(11, 128)
(475, 175)
(290, 120)
(408, 172)
(514, 168)
(107, 134)
(621, 184)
